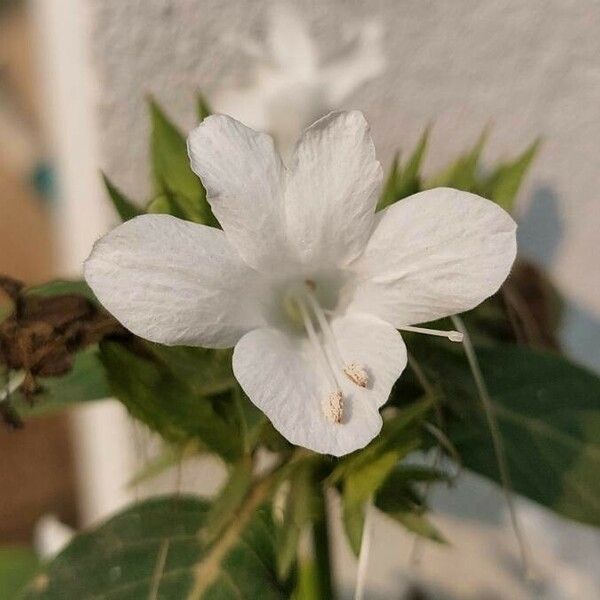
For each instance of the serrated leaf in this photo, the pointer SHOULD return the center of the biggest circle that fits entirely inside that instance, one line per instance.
(462, 174)
(125, 207)
(167, 404)
(152, 549)
(503, 184)
(171, 167)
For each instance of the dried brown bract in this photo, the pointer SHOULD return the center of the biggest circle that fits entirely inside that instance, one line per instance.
(43, 333)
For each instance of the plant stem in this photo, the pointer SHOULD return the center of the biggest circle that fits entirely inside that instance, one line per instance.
(497, 444)
(322, 554)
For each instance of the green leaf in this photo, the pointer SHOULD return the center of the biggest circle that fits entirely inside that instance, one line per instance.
(167, 404)
(504, 182)
(251, 420)
(307, 587)
(170, 456)
(363, 472)
(203, 108)
(85, 382)
(409, 179)
(205, 371)
(59, 287)
(229, 499)
(388, 194)
(399, 433)
(548, 413)
(359, 488)
(125, 208)
(461, 174)
(302, 506)
(171, 166)
(151, 550)
(398, 498)
(165, 204)
(17, 567)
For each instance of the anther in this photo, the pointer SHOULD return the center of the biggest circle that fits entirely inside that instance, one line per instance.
(357, 374)
(334, 407)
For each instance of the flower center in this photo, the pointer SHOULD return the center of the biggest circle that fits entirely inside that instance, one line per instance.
(303, 305)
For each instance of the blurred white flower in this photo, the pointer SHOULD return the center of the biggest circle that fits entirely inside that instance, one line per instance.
(289, 86)
(51, 536)
(305, 280)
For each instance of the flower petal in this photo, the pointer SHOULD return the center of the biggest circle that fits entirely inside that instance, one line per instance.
(244, 177)
(332, 190)
(176, 282)
(281, 374)
(434, 254)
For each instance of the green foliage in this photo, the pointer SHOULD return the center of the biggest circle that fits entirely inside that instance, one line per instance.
(363, 472)
(400, 499)
(85, 382)
(229, 499)
(171, 166)
(126, 209)
(548, 413)
(501, 184)
(171, 406)
(405, 181)
(152, 550)
(301, 507)
(462, 173)
(203, 109)
(178, 191)
(58, 287)
(17, 567)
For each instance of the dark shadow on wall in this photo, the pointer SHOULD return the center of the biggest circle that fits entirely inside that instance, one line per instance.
(541, 228)
(540, 233)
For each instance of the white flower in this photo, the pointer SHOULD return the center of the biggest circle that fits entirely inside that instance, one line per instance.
(305, 280)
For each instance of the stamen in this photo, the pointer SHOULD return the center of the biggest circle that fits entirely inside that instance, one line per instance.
(453, 336)
(333, 406)
(355, 372)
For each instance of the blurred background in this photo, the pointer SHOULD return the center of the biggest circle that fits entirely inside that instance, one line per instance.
(74, 78)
